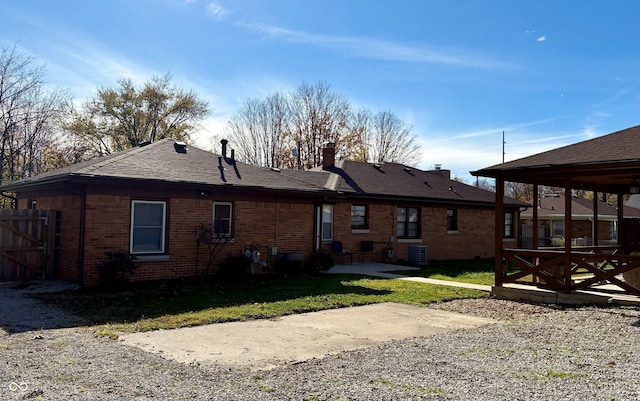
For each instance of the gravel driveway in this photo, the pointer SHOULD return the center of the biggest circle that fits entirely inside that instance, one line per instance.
(534, 353)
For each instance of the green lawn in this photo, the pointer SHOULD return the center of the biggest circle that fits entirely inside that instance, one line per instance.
(466, 271)
(171, 305)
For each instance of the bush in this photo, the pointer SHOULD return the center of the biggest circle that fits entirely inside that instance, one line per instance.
(320, 260)
(234, 268)
(116, 268)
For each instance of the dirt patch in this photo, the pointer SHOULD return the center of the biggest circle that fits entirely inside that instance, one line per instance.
(264, 344)
(20, 312)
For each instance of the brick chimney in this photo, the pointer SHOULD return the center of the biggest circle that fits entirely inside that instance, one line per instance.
(328, 155)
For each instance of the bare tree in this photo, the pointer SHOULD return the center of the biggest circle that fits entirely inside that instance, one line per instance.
(260, 131)
(391, 140)
(29, 115)
(319, 116)
(520, 191)
(266, 131)
(124, 117)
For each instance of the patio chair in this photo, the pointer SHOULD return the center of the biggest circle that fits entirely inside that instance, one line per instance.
(339, 250)
(366, 247)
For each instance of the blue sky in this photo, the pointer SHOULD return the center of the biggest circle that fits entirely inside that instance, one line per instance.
(548, 72)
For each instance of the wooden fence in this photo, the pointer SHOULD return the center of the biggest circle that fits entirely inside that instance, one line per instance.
(28, 244)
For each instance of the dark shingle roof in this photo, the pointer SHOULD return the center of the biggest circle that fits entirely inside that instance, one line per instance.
(619, 146)
(167, 161)
(400, 181)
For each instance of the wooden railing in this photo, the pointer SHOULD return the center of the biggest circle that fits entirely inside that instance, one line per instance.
(583, 269)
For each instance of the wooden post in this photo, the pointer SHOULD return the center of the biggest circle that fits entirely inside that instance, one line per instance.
(535, 217)
(620, 221)
(568, 215)
(499, 230)
(594, 235)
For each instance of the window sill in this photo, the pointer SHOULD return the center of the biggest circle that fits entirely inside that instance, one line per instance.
(452, 231)
(360, 231)
(509, 239)
(410, 240)
(151, 258)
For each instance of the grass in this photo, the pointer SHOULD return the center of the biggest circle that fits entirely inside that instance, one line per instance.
(480, 271)
(153, 306)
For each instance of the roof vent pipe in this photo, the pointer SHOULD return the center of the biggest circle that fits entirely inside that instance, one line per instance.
(224, 143)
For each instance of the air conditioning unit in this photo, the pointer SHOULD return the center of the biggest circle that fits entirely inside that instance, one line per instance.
(418, 255)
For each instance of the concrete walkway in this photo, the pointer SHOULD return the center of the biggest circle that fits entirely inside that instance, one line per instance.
(383, 270)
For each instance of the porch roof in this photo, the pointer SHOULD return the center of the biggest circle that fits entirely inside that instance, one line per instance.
(607, 164)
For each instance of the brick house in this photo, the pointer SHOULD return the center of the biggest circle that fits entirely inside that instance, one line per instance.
(551, 215)
(169, 204)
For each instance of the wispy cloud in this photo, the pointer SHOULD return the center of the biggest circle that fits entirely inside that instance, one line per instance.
(381, 49)
(217, 11)
(542, 38)
(497, 130)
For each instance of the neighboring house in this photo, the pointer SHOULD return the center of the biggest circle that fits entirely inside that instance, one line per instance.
(174, 206)
(551, 221)
(633, 201)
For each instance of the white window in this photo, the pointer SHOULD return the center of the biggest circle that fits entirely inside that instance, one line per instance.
(327, 222)
(222, 220)
(147, 227)
(509, 225)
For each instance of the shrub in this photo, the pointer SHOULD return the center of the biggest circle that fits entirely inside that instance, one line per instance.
(116, 268)
(320, 260)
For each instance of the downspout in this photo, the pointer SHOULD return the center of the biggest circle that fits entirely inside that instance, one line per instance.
(83, 208)
(81, 233)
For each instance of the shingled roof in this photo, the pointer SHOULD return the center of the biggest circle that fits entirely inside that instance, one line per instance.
(392, 180)
(171, 162)
(606, 163)
(619, 146)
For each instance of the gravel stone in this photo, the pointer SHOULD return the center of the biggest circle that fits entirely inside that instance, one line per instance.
(536, 352)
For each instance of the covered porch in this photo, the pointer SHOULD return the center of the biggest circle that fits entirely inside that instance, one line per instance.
(608, 164)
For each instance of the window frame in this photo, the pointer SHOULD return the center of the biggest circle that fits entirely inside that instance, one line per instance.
(508, 231)
(557, 229)
(406, 222)
(229, 234)
(133, 228)
(452, 220)
(364, 216)
(326, 219)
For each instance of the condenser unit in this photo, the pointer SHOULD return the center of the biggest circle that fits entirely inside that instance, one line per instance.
(418, 255)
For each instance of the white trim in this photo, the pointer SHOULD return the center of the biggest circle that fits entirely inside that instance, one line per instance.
(229, 235)
(152, 258)
(322, 222)
(163, 229)
(410, 240)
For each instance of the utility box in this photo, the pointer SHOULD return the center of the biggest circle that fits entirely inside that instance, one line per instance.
(417, 254)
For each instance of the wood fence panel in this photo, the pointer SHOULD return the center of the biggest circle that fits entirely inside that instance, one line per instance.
(27, 244)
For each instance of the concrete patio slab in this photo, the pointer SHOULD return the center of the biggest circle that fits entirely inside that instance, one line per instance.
(264, 344)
